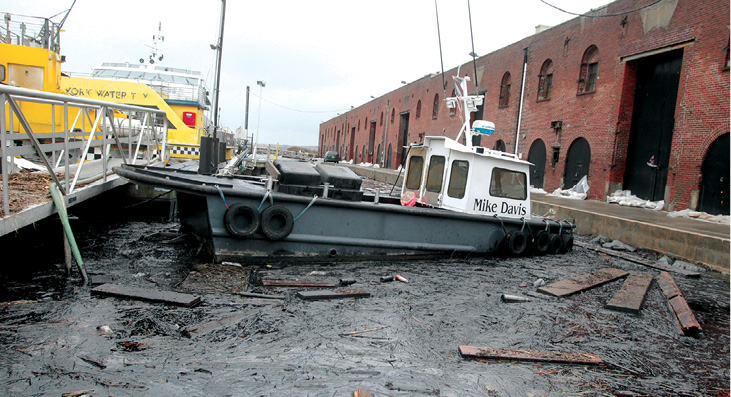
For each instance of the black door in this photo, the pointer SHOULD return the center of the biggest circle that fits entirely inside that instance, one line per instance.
(537, 158)
(403, 137)
(653, 120)
(577, 163)
(714, 197)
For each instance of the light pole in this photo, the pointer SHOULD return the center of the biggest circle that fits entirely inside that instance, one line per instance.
(261, 85)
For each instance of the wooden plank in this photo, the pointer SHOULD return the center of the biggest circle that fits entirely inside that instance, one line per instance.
(202, 329)
(334, 294)
(629, 298)
(667, 285)
(583, 282)
(528, 355)
(298, 283)
(636, 259)
(688, 323)
(146, 294)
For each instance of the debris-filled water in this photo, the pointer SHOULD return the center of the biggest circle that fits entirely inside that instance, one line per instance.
(403, 339)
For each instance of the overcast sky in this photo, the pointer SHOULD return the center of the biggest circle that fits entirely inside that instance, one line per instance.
(317, 57)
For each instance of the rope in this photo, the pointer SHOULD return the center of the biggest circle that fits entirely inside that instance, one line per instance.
(220, 192)
(546, 221)
(271, 199)
(308, 206)
(501, 222)
(530, 232)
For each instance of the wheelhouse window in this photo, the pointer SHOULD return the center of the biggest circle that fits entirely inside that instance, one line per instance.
(588, 71)
(508, 184)
(435, 174)
(416, 168)
(505, 91)
(458, 179)
(545, 81)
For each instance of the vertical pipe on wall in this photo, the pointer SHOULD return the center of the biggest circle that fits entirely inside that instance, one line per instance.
(522, 92)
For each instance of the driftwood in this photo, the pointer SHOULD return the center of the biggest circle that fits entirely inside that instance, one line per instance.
(528, 355)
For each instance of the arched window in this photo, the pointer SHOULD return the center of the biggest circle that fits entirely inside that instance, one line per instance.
(435, 109)
(545, 81)
(363, 158)
(393, 114)
(418, 109)
(388, 156)
(381, 123)
(505, 91)
(453, 110)
(358, 125)
(588, 70)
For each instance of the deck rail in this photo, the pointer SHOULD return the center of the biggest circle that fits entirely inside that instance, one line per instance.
(65, 139)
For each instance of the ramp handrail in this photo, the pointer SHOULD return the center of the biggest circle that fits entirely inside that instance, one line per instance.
(80, 134)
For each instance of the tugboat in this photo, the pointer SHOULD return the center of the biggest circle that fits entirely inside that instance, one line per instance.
(458, 199)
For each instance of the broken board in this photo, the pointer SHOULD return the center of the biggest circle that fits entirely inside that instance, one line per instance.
(629, 298)
(681, 311)
(580, 283)
(636, 259)
(202, 329)
(334, 294)
(146, 294)
(298, 283)
(528, 355)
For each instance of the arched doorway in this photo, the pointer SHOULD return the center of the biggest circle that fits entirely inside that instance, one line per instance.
(577, 162)
(537, 158)
(499, 146)
(714, 197)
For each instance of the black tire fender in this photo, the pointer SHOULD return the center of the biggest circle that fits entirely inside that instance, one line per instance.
(277, 222)
(542, 242)
(242, 220)
(555, 244)
(517, 242)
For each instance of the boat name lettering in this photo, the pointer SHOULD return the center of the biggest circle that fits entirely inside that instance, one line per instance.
(101, 94)
(485, 205)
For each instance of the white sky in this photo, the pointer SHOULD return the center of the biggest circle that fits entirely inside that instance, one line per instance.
(317, 57)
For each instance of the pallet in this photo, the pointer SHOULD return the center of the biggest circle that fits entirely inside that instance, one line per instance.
(581, 283)
(528, 355)
(682, 313)
(146, 294)
(636, 259)
(629, 298)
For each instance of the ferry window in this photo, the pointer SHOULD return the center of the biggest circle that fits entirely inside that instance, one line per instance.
(435, 174)
(508, 184)
(458, 178)
(416, 166)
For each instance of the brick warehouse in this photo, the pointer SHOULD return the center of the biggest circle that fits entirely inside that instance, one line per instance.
(636, 101)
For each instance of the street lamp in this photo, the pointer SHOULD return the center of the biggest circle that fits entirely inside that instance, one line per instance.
(261, 85)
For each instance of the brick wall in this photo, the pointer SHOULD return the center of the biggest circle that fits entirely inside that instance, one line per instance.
(602, 117)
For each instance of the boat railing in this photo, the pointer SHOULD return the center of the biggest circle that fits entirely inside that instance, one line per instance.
(62, 129)
(30, 32)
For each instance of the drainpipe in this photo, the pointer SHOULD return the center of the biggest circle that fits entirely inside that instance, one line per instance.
(522, 92)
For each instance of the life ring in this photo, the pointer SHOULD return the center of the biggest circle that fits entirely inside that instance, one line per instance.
(241, 220)
(568, 243)
(541, 242)
(516, 242)
(555, 244)
(277, 222)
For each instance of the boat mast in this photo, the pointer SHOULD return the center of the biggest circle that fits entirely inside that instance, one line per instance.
(218, 47)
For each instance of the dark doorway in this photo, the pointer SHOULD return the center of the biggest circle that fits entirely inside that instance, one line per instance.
(403, 138)
(577, 162)
(388, 156)
(337, 144)
(371, 141)
(499, 146)
(714, 197)
(653, 120)
(537, 158)
(352, 144)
